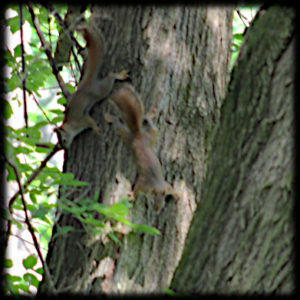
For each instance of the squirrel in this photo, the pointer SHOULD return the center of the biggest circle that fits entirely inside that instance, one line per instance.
(90, 89)
(140, 135)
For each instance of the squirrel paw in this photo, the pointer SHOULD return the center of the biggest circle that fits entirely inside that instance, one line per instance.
(122, 75)
(109, 118)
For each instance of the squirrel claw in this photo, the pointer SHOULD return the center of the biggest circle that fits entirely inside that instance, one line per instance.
(122, 75)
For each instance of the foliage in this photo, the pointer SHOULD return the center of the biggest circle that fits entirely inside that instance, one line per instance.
(29, 149)
(242, 18)
(35, 178)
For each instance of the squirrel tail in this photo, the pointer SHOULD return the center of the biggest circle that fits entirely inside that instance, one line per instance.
(96, 48)
(130, 105)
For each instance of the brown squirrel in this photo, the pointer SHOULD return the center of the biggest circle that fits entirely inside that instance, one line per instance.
(140, 135)
(90, 89)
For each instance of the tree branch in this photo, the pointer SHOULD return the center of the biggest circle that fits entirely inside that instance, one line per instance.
(30, 228)
(31, 178)
(44, 43)
(23, 67)
(67, 29)
(27, 221)
(56, 148)
(39, 106)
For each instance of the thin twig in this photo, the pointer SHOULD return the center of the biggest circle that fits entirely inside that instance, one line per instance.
(25, 241)
(63, 25)
(242, 17)
(49, 33)
(44, 43)
(39, 106)
(31, 93)
(23, 67)
(31, 178)
(30, 228)
(56, 148)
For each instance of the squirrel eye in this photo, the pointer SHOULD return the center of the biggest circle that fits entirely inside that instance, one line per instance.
(145, 121)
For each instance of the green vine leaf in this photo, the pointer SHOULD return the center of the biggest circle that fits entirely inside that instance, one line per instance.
(30, 262)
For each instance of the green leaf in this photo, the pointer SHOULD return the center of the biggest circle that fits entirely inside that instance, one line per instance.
(125, 201)
(120, 219)
(11, 173)
(14, 23)
(13, 278)
(8, 263)
(12, 283)
(119, 209)
(17, 51)
(24, 287)
(238, 36)
(57, 111)
(7, 110)
(39, 271)
(18, 224)
(71, 88)
(62, 101)
(112, 236)
(29, 262)
(40, 213)
(63, 230)
(68, 179)
(169, 292)
(13, 82)
(42, 149)
(40, 124)
(57, 119)
(21, 149)
(33, 196)
(96, 196)
(93, 221)
(145, 228)
(31, 279)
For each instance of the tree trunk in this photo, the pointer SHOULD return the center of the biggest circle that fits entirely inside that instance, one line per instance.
(240, 239)
(178, 58)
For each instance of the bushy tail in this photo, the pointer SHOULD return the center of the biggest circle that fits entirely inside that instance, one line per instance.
(96, 48)
(130, 105)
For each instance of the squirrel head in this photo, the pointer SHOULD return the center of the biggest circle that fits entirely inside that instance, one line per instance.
(64, 136)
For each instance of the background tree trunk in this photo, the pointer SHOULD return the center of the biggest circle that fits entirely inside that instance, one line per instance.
(178, 58)
(240, 239)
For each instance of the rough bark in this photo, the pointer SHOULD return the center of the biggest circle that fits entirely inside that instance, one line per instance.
(241, 236)
(178, 58)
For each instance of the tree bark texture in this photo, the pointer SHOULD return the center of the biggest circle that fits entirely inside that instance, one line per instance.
(178, 58)
(241, 236)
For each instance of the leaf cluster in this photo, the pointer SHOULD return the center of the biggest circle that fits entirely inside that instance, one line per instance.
(117, 214)
(17, 284)
(242, 18)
